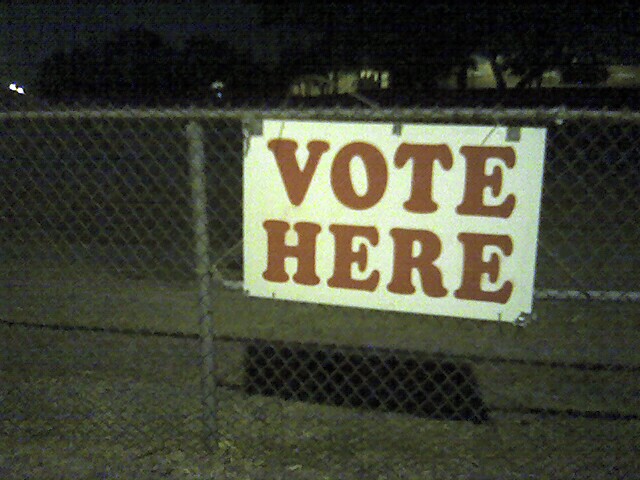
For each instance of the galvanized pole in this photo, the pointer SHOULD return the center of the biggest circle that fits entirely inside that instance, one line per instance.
(202, 267)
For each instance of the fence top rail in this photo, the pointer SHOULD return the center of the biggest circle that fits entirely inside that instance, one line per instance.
(556, 114)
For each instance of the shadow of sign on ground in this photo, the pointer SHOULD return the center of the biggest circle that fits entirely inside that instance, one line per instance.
(436, 389)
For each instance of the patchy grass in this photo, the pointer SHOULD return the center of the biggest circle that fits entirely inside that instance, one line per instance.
(135, 433)
(90, 404)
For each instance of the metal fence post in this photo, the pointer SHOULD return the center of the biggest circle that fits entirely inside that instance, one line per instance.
(202, 266)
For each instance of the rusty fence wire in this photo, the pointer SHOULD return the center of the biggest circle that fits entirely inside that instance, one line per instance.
(128, 344)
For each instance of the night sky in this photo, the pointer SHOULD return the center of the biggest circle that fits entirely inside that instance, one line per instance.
(31, 31)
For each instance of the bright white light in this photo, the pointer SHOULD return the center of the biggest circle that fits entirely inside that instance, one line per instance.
(14, 87)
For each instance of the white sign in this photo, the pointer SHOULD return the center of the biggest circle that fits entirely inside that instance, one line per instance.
(430, 219)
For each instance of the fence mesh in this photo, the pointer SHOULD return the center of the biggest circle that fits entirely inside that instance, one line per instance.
(128, 346)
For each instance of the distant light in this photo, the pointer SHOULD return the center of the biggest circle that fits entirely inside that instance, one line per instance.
(14, 87)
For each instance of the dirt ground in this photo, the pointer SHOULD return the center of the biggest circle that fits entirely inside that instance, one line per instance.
(98, 405)
(562, 393)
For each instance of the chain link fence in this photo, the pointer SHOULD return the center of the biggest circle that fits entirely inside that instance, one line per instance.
(129, 348)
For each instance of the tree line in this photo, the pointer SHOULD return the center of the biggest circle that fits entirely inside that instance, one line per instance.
(138, 64)
(418, 46)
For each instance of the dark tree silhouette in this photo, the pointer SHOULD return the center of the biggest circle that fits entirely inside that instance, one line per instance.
(132, 66)
(533, 39)
(138, 66)
(419, 44)
(584, 71)
(54, 75)
(423, 43)
(206, 59)
(408, 41)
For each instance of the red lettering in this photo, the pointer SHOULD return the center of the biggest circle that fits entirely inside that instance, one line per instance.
(424, 157)
(477, 180)
(474, 267)
(345, 257)
(377, 175)
(304, 252)
(405, 262)
(296, 181)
